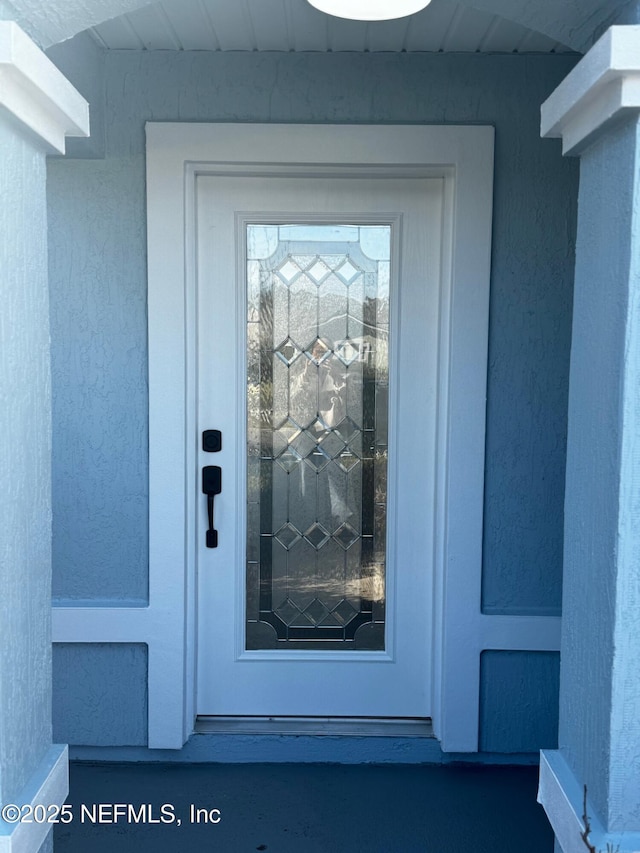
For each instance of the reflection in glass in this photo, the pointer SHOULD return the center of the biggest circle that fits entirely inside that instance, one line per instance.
(317, 401)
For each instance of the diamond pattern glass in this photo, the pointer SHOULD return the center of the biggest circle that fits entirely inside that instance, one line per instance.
(287, 351)
(287, 611)
(303, 444)
(289, 271)
(317, 535)
(332, 444)
(317, 386)
(318, 351)
(344, 612)
(347, 271)
(316, 611)
(346, 536)
(318, 458)
(287, 535)
(347, 459)
(346, 429)
(289, 430)
(347, 352)
(318, 271)
(318, 429)
(288, 459)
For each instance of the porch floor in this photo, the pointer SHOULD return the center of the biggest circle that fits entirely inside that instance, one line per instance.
(308, 808)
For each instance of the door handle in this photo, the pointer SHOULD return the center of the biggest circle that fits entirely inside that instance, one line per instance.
(211, 486)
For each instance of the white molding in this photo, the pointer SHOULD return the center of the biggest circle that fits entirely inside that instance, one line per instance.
(104, 625)
(602, 88)
(36, 93)
(48, 786)
(469, 634)
(175, 153)
(356, 149)
(502, 633)
(169, 723)
(562, 798)
(519, 633)
(158, 626)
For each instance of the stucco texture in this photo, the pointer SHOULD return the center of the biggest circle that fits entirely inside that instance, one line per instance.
(87, 708)
(98, 292)
(518, 701)
(98, 320)
(600, 691)
(25, 463)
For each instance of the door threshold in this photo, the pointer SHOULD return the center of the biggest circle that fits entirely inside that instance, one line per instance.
(316, 726)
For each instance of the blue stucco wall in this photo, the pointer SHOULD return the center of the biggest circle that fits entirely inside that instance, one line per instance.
(25, 463)
(600, 691)
(98, 343)
(98, 292)
(82, 61)
(87, 706)
(518, 701)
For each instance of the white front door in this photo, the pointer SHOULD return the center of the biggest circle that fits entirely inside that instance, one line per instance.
(318, 304)
(193, 625)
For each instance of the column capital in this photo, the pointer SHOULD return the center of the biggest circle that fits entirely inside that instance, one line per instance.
(603, 88)
(34, 92)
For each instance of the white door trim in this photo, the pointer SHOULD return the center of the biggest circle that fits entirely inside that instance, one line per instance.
(175, 152)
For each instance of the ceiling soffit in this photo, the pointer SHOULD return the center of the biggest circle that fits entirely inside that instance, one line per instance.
(293, 25)
(567, 22)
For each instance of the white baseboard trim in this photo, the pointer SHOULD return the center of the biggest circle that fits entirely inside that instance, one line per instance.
(49, 785)
(562, 798)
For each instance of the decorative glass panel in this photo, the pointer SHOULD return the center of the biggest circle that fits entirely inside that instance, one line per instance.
(317, 401)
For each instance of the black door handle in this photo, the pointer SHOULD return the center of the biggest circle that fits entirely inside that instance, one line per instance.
(211, 486)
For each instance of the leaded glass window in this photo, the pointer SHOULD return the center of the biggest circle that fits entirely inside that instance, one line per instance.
(317, 404)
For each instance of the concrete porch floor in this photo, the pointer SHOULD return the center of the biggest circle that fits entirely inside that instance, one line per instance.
(307, 808)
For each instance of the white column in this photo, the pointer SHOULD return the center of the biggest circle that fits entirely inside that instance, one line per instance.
(596, 112)
(38, 109)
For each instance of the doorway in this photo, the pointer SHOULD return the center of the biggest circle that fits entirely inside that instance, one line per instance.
(437, 454)
(318, 316)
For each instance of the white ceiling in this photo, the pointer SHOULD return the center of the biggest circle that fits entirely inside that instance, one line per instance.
(293, 25)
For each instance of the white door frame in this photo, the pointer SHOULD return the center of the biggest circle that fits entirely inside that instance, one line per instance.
(463, 156)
